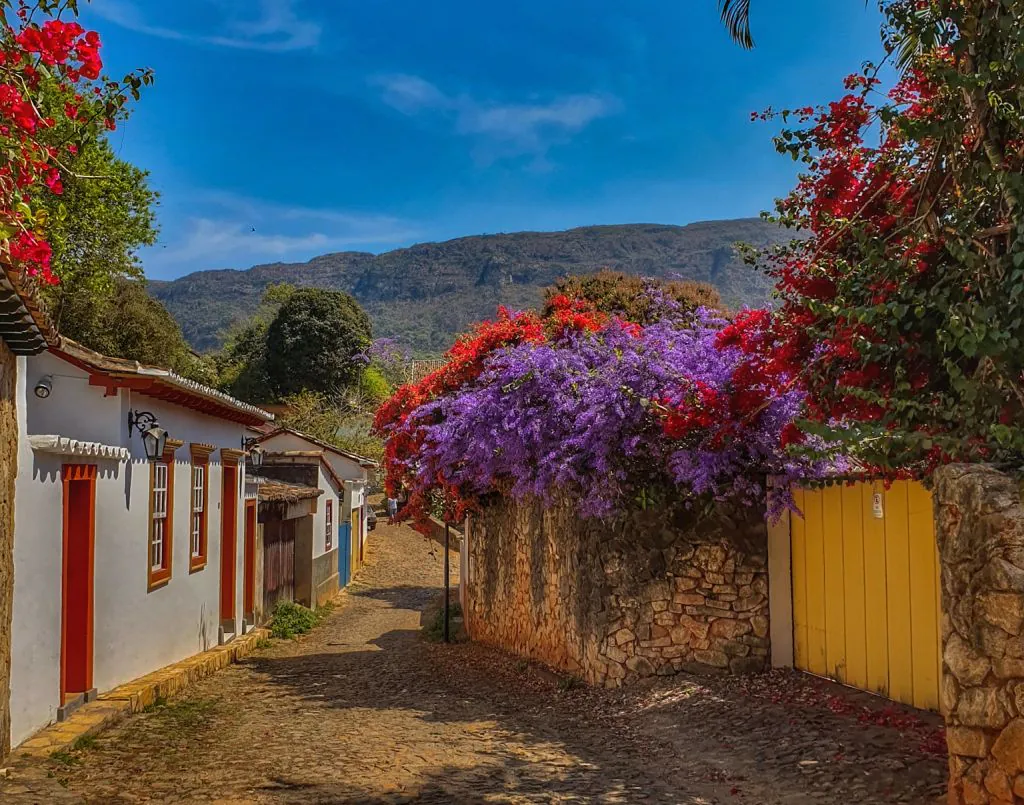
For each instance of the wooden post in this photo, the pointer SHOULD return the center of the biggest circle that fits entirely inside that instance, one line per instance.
(447, 614)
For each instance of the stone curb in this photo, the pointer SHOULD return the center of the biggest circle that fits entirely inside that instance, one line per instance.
(134, 696)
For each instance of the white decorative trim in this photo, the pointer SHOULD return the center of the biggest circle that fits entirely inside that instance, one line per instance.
(63, 446)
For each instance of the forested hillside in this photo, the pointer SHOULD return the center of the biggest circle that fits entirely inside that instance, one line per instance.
(425, 294)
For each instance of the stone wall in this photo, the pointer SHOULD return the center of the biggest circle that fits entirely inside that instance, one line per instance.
(980, 532)
(8, 471)
(654, 593)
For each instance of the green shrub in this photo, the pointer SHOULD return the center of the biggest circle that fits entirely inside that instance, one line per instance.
(292, 619)
(434, 629)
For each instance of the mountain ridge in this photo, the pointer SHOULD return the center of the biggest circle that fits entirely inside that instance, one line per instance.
(423, 295)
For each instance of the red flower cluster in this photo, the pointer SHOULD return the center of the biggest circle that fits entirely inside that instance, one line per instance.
(65, 51)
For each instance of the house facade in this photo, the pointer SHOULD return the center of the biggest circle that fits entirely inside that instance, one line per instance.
(344, 478)
(124, 562)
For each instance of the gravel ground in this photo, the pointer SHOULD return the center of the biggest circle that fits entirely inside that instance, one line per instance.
(364, 710)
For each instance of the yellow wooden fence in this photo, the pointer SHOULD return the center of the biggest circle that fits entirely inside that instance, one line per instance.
(866, 589)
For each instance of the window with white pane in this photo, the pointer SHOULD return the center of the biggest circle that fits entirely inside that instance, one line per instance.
(328, 541)
(198, 509)
(159, 526)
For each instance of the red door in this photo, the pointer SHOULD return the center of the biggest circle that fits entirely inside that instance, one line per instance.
(228, 541)
(77, 588)
(249, 585)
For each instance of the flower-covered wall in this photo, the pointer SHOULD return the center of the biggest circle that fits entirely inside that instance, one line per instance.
(650, 593)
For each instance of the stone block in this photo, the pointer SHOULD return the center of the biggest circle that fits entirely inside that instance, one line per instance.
(715, 578)
(729, 589)
(641, 666)
(729, 629)
(734, 649)
(980, 707)
(1005, 610)
(616, 654)
(1018, 785)
(760, 625)
(999, 574)
(749, 603)
(716, 659)
(684, 584)
(689, 599)
(949, 692)
(1008, 750)
(992, 641)
(1008, 668)
(659, 606)
(967, 665)
(998, 785)
(974, 793)
(720, 605)
(623, 636)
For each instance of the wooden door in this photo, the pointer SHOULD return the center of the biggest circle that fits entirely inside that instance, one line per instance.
(77, 620)
(278, 563)
(228, 541)
(249, 583)
(866, 589)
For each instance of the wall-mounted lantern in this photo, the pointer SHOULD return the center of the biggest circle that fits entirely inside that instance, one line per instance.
(154, 438)
(252, 447)
(44, 387)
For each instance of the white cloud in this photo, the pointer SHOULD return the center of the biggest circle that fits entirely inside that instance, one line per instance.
(234, 231)
(277, 27)
(506, 129)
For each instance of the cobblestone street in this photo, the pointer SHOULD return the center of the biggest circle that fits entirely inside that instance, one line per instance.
(364, 710)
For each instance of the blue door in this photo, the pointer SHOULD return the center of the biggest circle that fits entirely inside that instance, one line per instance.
(344, 552)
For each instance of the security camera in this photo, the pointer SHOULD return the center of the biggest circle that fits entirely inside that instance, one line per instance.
(44, 387)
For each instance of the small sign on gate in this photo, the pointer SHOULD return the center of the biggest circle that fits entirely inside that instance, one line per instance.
(876, 506)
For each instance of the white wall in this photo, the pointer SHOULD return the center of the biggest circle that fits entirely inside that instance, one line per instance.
(35, 637)
(336, 497)
(136, 630)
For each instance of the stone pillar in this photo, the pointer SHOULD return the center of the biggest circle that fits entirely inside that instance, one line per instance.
(980, 532)
(8, 472)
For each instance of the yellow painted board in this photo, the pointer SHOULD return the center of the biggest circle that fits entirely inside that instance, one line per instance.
(924, 628)
(816, 630)
(876, 637)
(854, 585)
(897, 561)
(798, 558)
(835, 587)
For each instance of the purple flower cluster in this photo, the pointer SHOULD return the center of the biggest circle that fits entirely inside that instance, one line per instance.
(581, 415)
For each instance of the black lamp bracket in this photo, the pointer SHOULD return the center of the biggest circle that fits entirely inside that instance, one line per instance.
(249, 444)
(141, 421)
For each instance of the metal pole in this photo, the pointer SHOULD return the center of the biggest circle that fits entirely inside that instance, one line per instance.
(446, 595)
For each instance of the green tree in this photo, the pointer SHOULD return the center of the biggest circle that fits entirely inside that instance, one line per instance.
(129, 323)
(316, 342)
(242, 363)
(626, 295)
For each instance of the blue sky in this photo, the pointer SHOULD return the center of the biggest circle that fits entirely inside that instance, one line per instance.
(284, 129)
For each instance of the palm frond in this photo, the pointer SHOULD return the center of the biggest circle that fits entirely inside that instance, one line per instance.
(736, 16)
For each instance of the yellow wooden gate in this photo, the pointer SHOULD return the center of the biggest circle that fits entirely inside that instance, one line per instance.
(866, 589)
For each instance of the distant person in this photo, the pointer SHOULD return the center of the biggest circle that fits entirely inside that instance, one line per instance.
(392, 507)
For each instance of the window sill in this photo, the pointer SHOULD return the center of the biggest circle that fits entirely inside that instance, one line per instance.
(158, 580)
(197, 564)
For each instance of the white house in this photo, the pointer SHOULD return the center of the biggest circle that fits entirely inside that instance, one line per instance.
(123, 563)
(341, 510)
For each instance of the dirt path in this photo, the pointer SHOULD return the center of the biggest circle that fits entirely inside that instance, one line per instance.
(365, 711)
